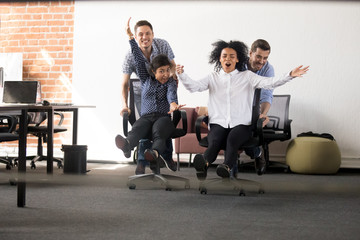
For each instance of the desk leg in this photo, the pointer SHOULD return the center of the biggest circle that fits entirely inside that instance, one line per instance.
(50, 141)
(75, 126)
(22, 160)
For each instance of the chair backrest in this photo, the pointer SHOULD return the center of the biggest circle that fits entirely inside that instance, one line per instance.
(36, 118)
(134, 99)
(279, 112)
(255, 108)
(7, 123)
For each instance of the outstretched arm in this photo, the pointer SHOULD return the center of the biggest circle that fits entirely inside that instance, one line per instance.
(299, 71)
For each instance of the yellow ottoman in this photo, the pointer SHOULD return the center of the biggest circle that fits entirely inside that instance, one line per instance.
(313, 155)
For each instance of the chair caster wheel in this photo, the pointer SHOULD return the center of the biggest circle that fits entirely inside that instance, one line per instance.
(261, 191)
(32, 165)
(59, 165)
(168, 189)
(242, 193)
(203, 191)
(132, 186)
(13, 182)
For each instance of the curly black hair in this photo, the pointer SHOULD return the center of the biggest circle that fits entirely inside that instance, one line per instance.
(241, 51)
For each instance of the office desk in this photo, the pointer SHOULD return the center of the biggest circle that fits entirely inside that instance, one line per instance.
(22, 110)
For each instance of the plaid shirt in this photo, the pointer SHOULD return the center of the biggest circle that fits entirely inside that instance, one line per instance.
(159, 46)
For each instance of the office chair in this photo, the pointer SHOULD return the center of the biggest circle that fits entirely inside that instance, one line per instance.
(278, 129)
(255, 140)
(7, 134)
(35, 119)
(134, 105)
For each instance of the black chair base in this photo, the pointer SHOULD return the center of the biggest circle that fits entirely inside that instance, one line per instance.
(162, 178)
(156, 176)
(39, 158)
(269, 164)
(236, 183)
(8, 162)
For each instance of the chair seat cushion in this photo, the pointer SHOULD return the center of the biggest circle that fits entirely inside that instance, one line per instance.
(37, 129)
(5, 137)
(313, 155)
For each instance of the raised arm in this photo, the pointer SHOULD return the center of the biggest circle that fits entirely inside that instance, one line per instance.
(140, 61)
(190, 84)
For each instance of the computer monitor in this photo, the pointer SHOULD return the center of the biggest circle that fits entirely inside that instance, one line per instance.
(22, 92)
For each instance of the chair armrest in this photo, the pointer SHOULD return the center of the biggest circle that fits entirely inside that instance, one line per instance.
(183, 117)
(259, 130)
(287, 127)
(61, 117)
(198, 125)
(125, 123)
(177, 115)
(180, 115)
(273, 122)
(11, 122)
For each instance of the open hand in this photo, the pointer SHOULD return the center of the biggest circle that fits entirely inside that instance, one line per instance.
(127, 28)
(299, 71)
(174, 107)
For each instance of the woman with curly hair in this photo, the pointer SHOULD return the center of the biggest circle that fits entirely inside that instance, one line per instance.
(231, 92)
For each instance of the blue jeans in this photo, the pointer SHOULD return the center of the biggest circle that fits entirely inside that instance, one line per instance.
(146, 143)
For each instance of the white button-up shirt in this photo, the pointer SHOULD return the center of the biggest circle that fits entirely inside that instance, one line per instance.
(231, 94)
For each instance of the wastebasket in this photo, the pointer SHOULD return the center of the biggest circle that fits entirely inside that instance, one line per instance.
(74, 158)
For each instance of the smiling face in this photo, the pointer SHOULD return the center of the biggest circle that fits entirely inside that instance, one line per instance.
(228, 59)
(144, 36)
(258, 59)
(162, 74)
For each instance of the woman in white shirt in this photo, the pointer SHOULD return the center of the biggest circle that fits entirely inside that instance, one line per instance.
(231, 91)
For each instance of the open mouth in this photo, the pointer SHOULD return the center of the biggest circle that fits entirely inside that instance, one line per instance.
(227, 64)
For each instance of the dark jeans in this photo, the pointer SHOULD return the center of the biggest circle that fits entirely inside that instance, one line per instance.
(146, 143)
(155, 126)
(226, 138)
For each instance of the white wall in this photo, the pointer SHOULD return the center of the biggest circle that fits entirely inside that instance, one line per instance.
(324, 35)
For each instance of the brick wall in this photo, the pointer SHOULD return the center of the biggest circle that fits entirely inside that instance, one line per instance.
(43, 31)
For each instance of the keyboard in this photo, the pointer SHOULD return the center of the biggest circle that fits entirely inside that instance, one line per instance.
(61, 104)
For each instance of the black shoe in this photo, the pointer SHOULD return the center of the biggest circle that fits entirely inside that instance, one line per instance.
(223, 171)
(260, 165)
(123, 144)
(140, 168)
(170, 164)
(201, 166)
(152, 157)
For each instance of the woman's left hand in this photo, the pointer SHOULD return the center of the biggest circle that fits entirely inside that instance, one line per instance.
(299, 71)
